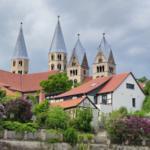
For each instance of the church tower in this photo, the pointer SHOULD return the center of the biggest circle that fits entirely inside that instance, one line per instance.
(104, 64)
(78, 67)
(20, 60)
(58, 52)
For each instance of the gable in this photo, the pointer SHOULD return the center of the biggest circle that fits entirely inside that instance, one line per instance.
(99, 56)
(74, 60)
(111, 58)
(85, 62)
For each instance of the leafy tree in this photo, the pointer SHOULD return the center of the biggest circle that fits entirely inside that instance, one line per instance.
(20, 109)
(146, 89)
(3, 97)
(84, 118)
(142, 80)
(40, 108)
(104, 119)
(41, 118)
(78, 84)
(57, 118)
(33, 98)
(123, 110)
(146, 104)
(56, 83)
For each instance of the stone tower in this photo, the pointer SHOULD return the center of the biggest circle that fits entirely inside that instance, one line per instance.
(78, 67)
(104, 64)
(58, 53)
(20, 60)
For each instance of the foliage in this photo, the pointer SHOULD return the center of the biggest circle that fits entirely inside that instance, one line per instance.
(20, 109)
(140, 114)
(50, 131)
(54, 140)
(33, 98)
(57, 83)
(2, 111)
(20, 127)
(78, 84)
(115, 115)
(132, 129)
(146, 104)
(123, 110)
(1, 125)
(84, 117)
(147, 115)
(57, 118)
(71, 136)
(146, 89)
(142, 80)
(41, 119)
(42, 107)
(104, 119)
(16, 95)
(74, 123)
(3, 97)
(88, 146)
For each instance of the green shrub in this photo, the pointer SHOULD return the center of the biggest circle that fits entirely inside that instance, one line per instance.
(89, 136)
(74, 123)
(54, 140)
(104, 119)
(140, 114)
(84, 118)
(123, 110)
(57, 118)
(146, 104)
(41, 119)
(71, 136)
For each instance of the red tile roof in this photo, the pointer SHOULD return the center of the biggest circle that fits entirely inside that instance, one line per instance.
(69, 103)
(87, 79)
(8, 92)
(114, 82)
(24, 83)
(86, 87)
(142, 85)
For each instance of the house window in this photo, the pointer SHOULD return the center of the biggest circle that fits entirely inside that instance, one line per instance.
(133, 102)
(20, 63)
(130, 86)
(104, 99)
(95, 99)
(75, 81)
(14, 63)
(84, 72)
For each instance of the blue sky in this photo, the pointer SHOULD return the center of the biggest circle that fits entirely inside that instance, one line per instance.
(126, 25)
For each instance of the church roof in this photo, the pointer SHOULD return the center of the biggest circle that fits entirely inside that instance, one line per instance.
(20, 50)
(105, 48)
(79, 51)
(58, 43)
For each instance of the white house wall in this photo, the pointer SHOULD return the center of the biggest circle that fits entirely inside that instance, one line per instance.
(87, 103)
(122, 96)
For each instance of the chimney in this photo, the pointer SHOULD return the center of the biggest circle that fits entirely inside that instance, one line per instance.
(41, 97)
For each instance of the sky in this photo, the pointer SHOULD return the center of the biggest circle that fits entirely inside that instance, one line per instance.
(126, 25)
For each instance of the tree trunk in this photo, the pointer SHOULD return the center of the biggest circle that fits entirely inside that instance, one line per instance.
(89, 144)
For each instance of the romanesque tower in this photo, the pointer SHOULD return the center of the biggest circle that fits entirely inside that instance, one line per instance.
(78, 67)
(20, 60)
(104, 63)
(58, 52)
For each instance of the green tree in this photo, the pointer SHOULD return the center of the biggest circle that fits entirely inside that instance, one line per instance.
(78, 84)
(33, 98)
(57, 118)
(56, 83)
(142, 80)
(146, 89)
(84, 118)
(3, 97)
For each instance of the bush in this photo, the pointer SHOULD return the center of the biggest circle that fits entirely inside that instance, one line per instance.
(41, 119)
(74, 123)
(19, 109)
(123, 110)
(57, 118)
(132, 129)
(84, 118)
(146, 104)
(71, 136)
(140, 114)
(104, 119)
(2, 111)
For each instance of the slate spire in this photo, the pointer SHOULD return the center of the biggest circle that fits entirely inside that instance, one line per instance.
(58, 43)
(20, 50)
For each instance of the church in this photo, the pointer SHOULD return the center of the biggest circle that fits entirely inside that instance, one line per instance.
(76, 66)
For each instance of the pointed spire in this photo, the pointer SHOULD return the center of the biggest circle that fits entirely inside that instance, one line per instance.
(104, 46)
(79, 51)
(20, 50)
(58, 43)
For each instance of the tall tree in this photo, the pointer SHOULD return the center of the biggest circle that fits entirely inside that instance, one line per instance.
(142, 80)
(57, 83)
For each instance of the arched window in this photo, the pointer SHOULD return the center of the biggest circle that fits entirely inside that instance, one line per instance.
(100, 69)
(103, 68)
(59, 66)
(65, 68)
(59, 57)
(14, 63)
(20, 63)
(97, 69)
(73, 64)
(52, 57)
(100, 60)
(20, 72)
(84, 72)
(76, 71)
(75, 81)
(65, 57)
(70, 72)
(52, 67)
(111, 69)
(97, 77)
